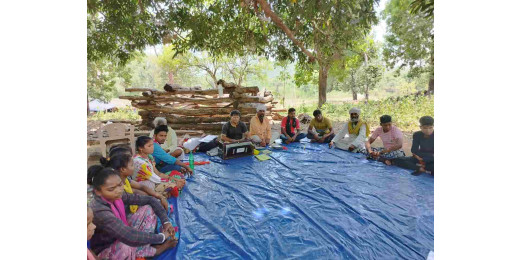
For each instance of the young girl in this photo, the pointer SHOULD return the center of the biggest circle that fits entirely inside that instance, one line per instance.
(123, 163)
(145, 171)
(90, 231)
(117, 237)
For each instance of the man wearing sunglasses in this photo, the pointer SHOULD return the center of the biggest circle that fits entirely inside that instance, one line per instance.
(353, 135)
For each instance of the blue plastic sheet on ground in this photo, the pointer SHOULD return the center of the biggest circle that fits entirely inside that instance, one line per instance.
(305, 203)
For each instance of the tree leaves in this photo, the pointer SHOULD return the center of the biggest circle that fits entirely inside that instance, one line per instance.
(409, 40)
(424, 7)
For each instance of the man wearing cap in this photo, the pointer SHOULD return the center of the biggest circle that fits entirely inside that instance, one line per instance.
(353, 135)
(260, 127)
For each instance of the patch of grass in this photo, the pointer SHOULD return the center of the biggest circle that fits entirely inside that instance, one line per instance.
(121, 114)
(405, 112)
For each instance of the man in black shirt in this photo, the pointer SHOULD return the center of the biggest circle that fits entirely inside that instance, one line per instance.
(234, 130)
(422, 150)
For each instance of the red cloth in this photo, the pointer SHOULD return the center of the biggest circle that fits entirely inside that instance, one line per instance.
(284, 124)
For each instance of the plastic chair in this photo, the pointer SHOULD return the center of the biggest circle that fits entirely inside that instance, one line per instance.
(115, 132)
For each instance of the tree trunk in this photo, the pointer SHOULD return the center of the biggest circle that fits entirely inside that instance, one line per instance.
(322, 90)
(170, 77)
(430, 83)
(353, 87)
(430, 86)
(88, 107)
(366, 87)
(215, 81)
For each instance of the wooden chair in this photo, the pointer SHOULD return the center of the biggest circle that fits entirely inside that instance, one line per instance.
(115, 132)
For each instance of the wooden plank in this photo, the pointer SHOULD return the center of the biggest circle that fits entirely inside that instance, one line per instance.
(165, 99)
(250, 99)
(175, 87)
(139, 89)
(133, 122)
(205, 127)
(179, 133)
(200, 120)
(252, 90)
(196, 111)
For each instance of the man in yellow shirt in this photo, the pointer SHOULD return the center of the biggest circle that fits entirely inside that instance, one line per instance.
(320, 128)
(260, 127)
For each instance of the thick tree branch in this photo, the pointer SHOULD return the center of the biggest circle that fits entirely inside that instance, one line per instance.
(278, 22)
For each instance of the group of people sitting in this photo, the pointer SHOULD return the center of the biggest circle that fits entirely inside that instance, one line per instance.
(128, 217)
(352, 137)
(130, 192)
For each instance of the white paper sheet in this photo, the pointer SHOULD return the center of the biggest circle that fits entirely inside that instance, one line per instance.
(208, 138)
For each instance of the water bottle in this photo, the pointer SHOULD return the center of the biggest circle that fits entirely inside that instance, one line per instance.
(192, 163)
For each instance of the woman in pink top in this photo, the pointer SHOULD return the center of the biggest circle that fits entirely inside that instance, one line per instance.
(392, 139)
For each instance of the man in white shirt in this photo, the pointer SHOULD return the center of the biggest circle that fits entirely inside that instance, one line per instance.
(353, 135)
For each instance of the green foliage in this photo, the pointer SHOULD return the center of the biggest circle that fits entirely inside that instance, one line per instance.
(120, 114)
(359, 70)
(170, 63)
(146, 72)
(102, 76)
(424, 7)
(370, 76)
(177, 66)
(405, 112)
(227, 27)
(117, 28)
(306, 74)
(409, 39)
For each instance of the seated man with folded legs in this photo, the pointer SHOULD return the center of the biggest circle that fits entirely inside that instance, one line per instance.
(353, 135)
(170, 144)
(422, 150)
(260, 127)
(164, 161)
(291, 128)
(392, 139)
(320, 128)
(234, 130)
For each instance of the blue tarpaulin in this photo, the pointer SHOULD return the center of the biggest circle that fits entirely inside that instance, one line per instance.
(305, 203)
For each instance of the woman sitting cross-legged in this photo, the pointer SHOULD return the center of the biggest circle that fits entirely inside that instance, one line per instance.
(147, 174)
(117, 237)
(123, 163)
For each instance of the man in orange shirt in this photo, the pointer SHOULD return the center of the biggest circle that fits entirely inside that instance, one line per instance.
(260, 127)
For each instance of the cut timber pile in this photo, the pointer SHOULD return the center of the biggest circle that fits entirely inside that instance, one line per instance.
(196, 109)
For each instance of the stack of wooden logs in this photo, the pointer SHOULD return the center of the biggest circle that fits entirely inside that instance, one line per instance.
(196, 109)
